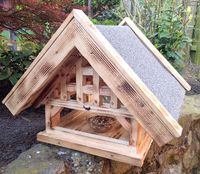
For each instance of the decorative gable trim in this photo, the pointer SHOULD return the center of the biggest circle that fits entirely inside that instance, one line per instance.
(79, 32)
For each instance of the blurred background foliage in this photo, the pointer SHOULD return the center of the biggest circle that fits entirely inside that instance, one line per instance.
(164, 22)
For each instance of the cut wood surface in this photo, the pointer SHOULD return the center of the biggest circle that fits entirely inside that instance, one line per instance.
(41, 54)
(133, 93)
(78, 121)
(101, 148)
(72, 104)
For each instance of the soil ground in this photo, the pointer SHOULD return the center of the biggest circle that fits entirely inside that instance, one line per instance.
(17, 134)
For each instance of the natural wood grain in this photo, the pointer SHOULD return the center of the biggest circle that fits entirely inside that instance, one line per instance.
(75, 105)
(47, 47)
(87, 71)
(85, 134)
(55, 119)
(114, 101)
(133, 133)
(126, 85)
(111, 67)
(46, 69)
(101, 148)
(47, 116)
(79, 81)
(125, 123)
(96, 92)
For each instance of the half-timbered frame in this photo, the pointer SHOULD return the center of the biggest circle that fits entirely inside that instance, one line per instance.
(79, 75)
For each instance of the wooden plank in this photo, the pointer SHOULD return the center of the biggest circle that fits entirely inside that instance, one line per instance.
(145, 146)
(55, 119)
(79, 81)
(96, 92)
(44, 96)
(101, 148)
(87, 71)
(54, 110)
(73, 115)
(85, 134)
(88, 89)
(45, 70)
(126, 85)
(105, 91)
(124, 122)
(133, 133)
(63, 84)
(41, 54)
(75, 105)
(127, 21)
(48, 116)
(114, 101)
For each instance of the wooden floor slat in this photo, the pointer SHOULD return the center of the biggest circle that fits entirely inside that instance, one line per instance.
(78, 120)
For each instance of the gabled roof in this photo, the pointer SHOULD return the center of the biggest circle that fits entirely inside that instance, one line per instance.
(77, 31)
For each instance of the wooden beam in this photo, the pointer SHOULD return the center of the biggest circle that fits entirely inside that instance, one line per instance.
(77, 106)
(127, 21)
(118, 152)
(114, 101)
(85, 134)
(96, 84)
(48, 116)
(63, 84)
(79, 81)
(125, 83)
(88, 89)
(133, 133)
(124, 122)
(87, 71)
(45, 95)
(49, 44)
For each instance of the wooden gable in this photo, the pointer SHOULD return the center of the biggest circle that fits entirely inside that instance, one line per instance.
(77, 32)
(77, 95)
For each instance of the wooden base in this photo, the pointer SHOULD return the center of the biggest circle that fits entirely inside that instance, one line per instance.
(110, 150)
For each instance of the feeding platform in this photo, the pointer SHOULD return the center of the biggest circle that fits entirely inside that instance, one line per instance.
(107, 90)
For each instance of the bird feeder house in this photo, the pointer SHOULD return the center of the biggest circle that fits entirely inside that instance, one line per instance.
(107, 90)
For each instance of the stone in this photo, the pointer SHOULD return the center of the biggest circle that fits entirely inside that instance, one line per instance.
(119, 168)
(190, 158)
(173, 169)
(191, 107)
(43, 159)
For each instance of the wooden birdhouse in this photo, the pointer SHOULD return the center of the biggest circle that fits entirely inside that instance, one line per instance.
(107, 90)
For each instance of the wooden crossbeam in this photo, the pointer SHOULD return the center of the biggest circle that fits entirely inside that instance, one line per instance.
(72, 104)
(125, 123)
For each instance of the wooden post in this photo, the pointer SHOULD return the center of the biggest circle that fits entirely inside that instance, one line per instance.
(63, 85)
(96, 83)
(133, 133)
(48, 116)
(79, 81)
(114, 101)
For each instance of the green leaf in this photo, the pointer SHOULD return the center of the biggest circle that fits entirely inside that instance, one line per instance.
(26, 62)
(4, 74)
(164, 35)
(13, 78)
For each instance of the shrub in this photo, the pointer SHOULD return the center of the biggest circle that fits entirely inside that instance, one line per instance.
(164, 23)
(14, 63)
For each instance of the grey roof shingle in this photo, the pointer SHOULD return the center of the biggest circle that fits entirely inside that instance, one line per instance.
(159, 80)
